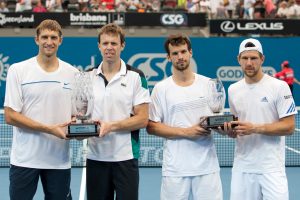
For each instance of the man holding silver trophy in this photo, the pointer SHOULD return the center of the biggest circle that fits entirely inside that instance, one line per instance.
(38, 105)
(216, 101)
(121, 99)
(178, 110)
(266, 111)
(82, 125)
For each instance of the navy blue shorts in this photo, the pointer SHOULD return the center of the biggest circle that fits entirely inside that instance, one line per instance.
(24, 182)
(106, 179)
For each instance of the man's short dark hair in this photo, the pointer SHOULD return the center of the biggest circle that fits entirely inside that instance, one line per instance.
(176, 40)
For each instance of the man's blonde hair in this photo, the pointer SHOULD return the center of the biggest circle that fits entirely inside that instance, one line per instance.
(113, 29)
(49, 24)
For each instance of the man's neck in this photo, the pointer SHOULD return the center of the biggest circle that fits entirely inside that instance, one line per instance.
(183, 78)
(255, 79)
(110, 69)
(49, 64)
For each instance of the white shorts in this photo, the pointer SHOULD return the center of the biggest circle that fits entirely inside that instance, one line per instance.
(249, 186)
(204, 187)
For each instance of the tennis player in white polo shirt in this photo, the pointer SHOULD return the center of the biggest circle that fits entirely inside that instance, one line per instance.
(190, 167)
(38, 105)
(266, 112)
(121, 107)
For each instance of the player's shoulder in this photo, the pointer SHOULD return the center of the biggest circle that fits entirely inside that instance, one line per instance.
(237, 85)
(67, 66)
(164, 83)
(274, 82)
(25, 64)
(134, 70)
(267, 79)
(202, 78)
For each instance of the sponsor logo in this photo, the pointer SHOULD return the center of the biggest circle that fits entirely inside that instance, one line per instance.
(152, 154)
(149, 155)
(288, 96)
(5, 151)
(173, 19)
(230, 26)
(227, 26)
(292, 108)
(235, 73)
(119, 18)
(3, 67)
(155, 66)
(20, 19)
(88, 19)
(264, 99)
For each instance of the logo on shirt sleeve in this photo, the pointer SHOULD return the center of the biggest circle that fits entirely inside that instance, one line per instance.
(288, 96)
(292, 108)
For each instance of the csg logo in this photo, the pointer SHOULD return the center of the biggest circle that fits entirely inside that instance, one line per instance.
(235, 73)
(155, 66)
(174, 19)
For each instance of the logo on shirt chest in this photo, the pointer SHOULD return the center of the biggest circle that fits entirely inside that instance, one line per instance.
(264, 99)
(66, 86)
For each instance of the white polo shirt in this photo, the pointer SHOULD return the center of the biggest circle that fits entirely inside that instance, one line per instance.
(44, 97)
(114, 100)
(178, 106)
(264, 102)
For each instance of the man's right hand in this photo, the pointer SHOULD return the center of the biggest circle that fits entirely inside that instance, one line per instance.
(229, 130)
(59, 130)
(196, 131)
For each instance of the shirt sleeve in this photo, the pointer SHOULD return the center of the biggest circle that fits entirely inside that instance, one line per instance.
(285, 103)
(142, 94)
(155, 108)
(231, 105)
(13, 90)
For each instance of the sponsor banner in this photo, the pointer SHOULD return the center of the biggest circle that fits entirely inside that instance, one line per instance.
(212, 57)
(266, 26)
(17, 19)
(65, 19)
(88, 19)
(165, 19)
(94, 19)
(235, 73)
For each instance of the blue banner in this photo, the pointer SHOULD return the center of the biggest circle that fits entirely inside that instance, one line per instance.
(212, 57)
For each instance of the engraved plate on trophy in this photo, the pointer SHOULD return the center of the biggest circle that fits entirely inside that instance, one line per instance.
(82, 104)
(216, 102)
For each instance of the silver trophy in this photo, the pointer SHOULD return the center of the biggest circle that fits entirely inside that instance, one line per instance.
(216, 102)
(82, 105)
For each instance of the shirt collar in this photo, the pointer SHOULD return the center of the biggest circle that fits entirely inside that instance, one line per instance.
(122, 71)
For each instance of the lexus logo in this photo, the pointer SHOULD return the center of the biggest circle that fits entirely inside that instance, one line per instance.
(227, 26)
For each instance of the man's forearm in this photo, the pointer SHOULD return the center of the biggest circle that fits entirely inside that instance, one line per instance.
(19, 120)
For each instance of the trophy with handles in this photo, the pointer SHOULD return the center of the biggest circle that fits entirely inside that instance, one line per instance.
(82, 105)
(216, 102)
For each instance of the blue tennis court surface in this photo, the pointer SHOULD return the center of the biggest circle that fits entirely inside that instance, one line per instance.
(150, 183)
